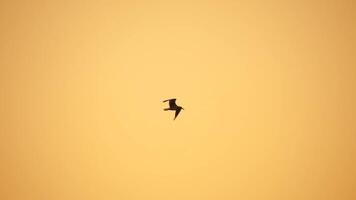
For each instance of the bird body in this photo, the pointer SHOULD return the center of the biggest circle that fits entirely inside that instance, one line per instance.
(173, 106)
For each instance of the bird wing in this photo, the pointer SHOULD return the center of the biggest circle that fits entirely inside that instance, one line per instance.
(169, 100)
(172, 102)
(177, 113)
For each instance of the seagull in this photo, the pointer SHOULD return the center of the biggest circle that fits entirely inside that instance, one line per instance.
(173, 106)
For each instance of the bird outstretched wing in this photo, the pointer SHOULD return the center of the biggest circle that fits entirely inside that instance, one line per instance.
(169, 100)
(172, 102)
(177, 113)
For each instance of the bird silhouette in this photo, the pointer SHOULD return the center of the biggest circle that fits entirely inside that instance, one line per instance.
(173, 106)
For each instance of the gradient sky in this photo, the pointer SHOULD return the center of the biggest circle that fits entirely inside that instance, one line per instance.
(268, 89)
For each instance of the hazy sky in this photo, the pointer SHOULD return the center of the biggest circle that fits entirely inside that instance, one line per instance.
(268, 89)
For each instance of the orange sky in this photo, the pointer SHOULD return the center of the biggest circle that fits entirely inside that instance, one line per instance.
(268, 89)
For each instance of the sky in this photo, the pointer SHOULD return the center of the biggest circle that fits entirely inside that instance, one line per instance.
(268, 89)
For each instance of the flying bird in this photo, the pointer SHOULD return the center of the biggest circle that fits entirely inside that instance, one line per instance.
(173, 106)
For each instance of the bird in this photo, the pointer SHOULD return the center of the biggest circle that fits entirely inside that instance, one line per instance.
(173, 106)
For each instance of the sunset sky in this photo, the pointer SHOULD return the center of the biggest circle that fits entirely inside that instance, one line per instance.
(268, 89)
